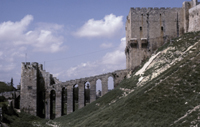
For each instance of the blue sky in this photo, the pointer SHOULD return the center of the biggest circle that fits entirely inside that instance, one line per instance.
(74, 38)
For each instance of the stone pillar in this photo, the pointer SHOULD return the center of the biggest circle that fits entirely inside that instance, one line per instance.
(70, 99)
(58, 103)
(47, 105)
(92, 91)
(186, 7)
(115, 83)
(104, 86)
(81, 95)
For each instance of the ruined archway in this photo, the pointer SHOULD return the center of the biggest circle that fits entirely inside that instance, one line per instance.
(17, 102)
(110, 83)
(64, 101)
(87, 93)
(52, 104)
(75, 97)
(98, 88)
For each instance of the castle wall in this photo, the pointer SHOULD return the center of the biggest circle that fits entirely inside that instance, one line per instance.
(149, 28)
(186, 7)
(194, 19)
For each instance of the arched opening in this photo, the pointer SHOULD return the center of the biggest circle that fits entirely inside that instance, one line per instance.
(110, 83)
(140, 28)
(52, 104)
(87, 93)
(64, 101)
(75, 97)
(17, 102)
(98, 88)
(162, 28)
(12, 96)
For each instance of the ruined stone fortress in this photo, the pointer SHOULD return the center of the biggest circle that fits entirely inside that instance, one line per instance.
(147, 29)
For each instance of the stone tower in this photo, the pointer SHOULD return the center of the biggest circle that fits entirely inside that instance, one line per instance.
(33, 83)
(28, 101)
(147, 29)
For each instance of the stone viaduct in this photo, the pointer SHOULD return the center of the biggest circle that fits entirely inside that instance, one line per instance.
(45, 96)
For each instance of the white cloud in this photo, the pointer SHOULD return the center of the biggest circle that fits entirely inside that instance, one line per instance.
(107, 27)
(106, 45)
(43, 38)
(112, 61)
(116, 56)
(16, 40)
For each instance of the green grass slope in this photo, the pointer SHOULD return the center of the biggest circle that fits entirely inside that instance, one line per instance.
(167, 95)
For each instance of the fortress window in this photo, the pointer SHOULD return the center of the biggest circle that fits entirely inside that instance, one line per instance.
(29, 87)
(140, 28)
(162, 28)
(160, 14)
(133, 43)
(144, 43)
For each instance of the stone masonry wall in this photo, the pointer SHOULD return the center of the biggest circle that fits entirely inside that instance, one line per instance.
(118, 76)
(147, 29)
(34, 82)
(28, 100)
(194, 19)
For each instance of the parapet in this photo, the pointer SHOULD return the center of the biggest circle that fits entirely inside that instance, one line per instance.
(151, 8)
(28, 65)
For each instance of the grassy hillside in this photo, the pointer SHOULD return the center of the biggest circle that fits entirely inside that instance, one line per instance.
(168, 93)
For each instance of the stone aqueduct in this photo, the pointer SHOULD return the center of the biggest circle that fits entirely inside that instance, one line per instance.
(38, 89)
(118, 76)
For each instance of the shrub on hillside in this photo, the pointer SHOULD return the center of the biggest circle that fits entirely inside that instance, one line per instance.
(2, 98)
